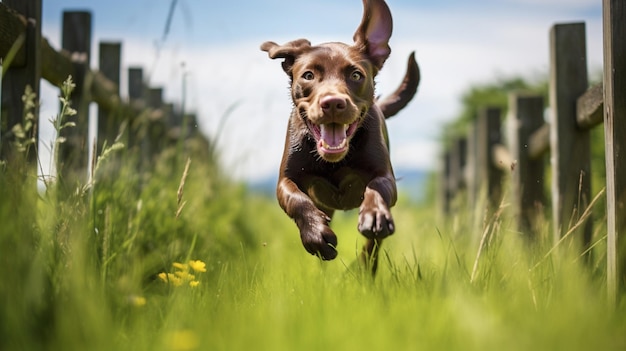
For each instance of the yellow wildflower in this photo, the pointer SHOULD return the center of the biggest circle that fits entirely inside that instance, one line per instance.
(137, 301)
(181, 266)
(197, 265)
(171, 278)
(174, 280)
(181, 275)
(185, 275)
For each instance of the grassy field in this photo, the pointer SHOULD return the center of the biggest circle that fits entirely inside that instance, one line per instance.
(65, 288)
(186, 260)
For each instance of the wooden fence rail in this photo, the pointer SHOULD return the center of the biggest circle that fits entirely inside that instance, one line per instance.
(26, 63)
(575, 108)
(36, 59)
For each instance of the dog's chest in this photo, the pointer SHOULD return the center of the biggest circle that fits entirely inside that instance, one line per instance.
(341, 189)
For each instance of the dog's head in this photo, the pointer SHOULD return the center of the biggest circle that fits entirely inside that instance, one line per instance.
(332, 84)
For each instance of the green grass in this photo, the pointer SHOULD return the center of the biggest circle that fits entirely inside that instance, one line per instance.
(81, 272)
(262, 291)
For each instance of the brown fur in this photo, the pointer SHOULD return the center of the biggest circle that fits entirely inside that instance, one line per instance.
(336, 154)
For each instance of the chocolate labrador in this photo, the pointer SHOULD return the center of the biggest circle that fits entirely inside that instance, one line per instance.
(336, 153)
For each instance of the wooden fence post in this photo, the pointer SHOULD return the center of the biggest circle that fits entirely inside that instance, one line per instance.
(110, 66)
(136, 89)
(470, 167)
(24, 70)
(171, 118)
(74, 152)
(570, 146)
(528, 176)
(614, 22)
(155, 97)
(458, 161)
(488, 176)
(453, 169)
(157, 127)
(136, 96)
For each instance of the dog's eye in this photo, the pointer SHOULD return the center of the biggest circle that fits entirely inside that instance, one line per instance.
(308, 75)
(356, 76)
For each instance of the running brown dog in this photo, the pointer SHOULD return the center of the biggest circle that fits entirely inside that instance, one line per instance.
(336, 153)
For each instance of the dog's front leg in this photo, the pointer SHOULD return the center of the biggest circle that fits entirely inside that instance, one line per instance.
(375, 220)
(316, 235)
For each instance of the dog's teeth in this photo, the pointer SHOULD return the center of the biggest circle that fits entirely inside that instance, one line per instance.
(340, 146)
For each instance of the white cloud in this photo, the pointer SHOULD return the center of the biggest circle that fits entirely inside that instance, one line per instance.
(414, 154)
(454, 50)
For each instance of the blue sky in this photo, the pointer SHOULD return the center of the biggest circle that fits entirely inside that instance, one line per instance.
(457, 43)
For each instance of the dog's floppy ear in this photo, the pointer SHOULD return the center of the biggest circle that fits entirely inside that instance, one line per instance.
(289, 51)
(372, 36)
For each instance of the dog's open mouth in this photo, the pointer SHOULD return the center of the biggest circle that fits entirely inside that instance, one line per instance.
(332, 138)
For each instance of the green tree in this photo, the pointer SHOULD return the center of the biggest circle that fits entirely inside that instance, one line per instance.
(490, 94)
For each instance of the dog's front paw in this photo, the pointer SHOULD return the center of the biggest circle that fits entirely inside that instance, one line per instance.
(318, 239)
(375, 220)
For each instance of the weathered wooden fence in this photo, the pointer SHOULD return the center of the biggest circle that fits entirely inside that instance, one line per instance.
(479, 161)
(151, 123)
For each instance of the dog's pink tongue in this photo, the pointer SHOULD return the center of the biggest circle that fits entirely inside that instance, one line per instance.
(333, 134)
